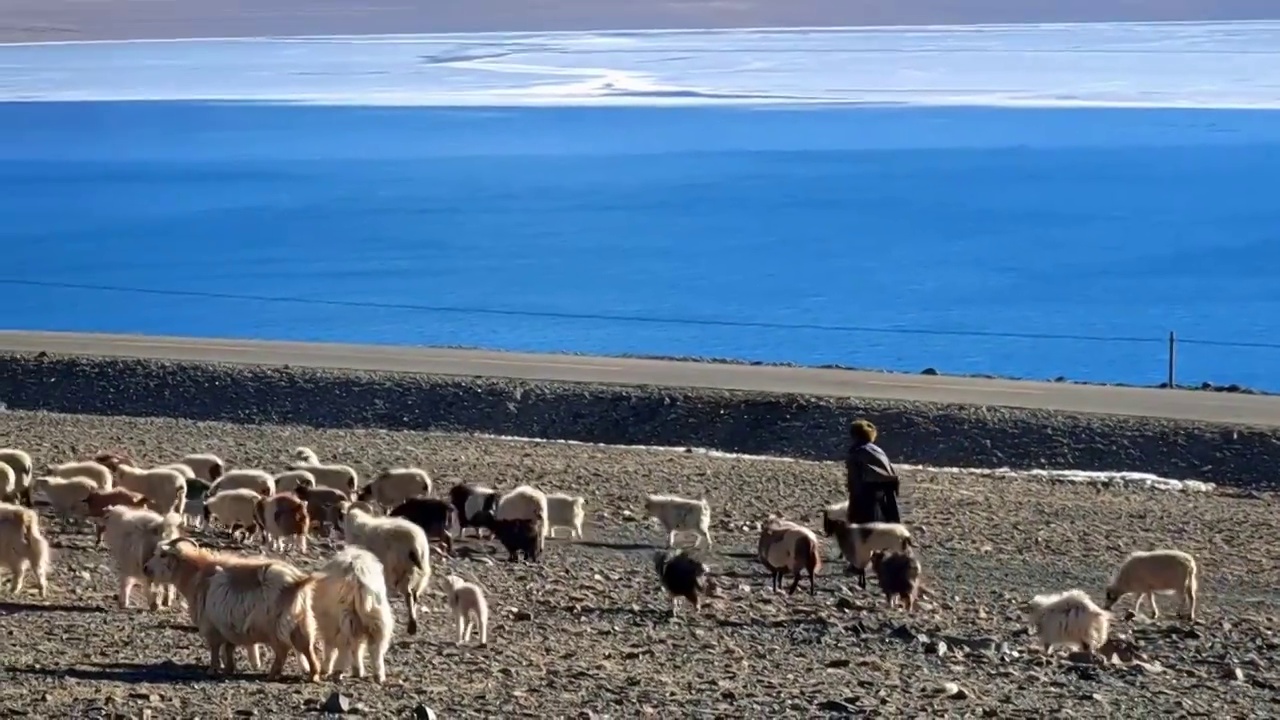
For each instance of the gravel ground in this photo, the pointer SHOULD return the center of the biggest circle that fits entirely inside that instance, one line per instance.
(585, 631)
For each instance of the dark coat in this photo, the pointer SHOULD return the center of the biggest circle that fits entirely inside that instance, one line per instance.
(872, 483)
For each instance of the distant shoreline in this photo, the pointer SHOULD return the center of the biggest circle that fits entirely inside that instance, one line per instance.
(70, 20)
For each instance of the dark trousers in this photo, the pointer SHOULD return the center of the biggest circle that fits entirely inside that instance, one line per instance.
(874, 503)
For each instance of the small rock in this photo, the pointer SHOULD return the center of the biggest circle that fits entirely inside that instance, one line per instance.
(1235, 674)
(482, 559)
(148, 697)
(336, 703)
(245, 712)
(522, 615)
(422, 712)
(837, 706)
(903, 633)
(839, 663)
(953, 691)
(937, 647)
(844, 603)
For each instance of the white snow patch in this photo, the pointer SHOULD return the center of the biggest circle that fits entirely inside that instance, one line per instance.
(1119, 479)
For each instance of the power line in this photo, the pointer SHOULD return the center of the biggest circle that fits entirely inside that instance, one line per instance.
(615, 318)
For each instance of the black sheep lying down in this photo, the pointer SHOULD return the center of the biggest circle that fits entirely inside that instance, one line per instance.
(682, 576)
(433, 515)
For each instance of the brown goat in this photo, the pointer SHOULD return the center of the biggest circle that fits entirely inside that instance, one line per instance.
(899, 576)
(281, 517)
(113, 460)
(97, 502)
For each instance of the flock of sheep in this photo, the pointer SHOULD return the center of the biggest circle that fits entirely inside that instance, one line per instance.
(336, 617)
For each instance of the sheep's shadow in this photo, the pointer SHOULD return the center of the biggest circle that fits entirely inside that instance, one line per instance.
(165, 673)
(614, 611)
(15, 608)
(740, 555)
(620, 546)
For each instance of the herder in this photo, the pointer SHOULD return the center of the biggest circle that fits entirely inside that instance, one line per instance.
(872, 480)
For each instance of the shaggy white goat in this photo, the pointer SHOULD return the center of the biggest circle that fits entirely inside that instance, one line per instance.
(677, 515)
(353, 613)
(237, 509)
(20, 462)
(165, 488)
(469, 607)
(1068, 618)
(338, 477)
(788, 547)
(132, 535)
(259, 481)
(66, 495)
(305, 455)
(402, 548)
(8, 481)
(95, 471)
(1152, 572)
(290, 480)
(565, 511)
(394, 486)
(268, 604)
(206, 466)
(23, 546)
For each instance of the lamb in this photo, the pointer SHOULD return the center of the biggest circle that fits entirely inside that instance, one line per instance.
(206, 466)
(283, 517)
(290, 480)
(858, 542)
(682, 576)
(1152, 572)
(323, 504)
(193, 506)
(519, 537)
(95, 471)
(20, 462)
(402, 548)
(237, 509)
(470, 608)
(469, 501)
(95, 504)
(165, 488)
(679, 515)
(353, 613)
(66, 495)
(1069, 618)
(338, 477)
(394, 486)
(132, 536)
(183, 564)
(22, 546)
(785, 547)
(899, 576)
(431, 514)
(565, 511)
(8, 481)
(259, 481)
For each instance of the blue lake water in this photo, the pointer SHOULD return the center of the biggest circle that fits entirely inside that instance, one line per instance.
(763, 230)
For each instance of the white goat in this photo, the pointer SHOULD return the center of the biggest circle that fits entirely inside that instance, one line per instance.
(470, 608)
(353, 613)
(565, 511)
(206, 466)
(338, 477)
(23, 546)
(290, 480)
(8, 481)
(259, 481)
(402, 548)
(20, 462)
(1152, 572)
(260, 604)
(832, 514)
(66, 495)
(394, 486)
(95, 471)
(132, 535)
(1068, 618)
(237, 509)
(677, 515)
(165, 488)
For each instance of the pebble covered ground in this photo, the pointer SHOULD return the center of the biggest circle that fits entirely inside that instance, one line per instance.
(585, 633)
